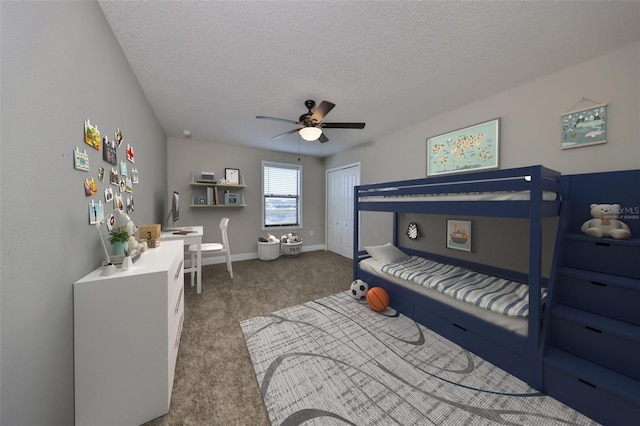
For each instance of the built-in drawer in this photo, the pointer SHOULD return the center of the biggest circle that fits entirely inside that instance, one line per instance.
(609, 295)
(607, 255)
(609, 343)
(588, 397)
(477, 339)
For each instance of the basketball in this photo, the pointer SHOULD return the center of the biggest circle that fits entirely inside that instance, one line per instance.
(377, 299)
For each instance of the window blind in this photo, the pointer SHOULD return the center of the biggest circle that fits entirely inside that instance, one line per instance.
(281, 191)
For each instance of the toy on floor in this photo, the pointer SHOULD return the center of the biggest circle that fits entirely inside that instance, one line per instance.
(604, 222)
(289, 238)
(268, 239)
(359, 289)
(377, 299)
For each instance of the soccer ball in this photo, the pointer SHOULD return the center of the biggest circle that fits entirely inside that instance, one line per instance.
(359, 289)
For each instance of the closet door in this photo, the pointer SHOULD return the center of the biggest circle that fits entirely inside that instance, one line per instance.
(340, 184)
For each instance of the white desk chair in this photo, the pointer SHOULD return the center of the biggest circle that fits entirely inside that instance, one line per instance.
(214, 248)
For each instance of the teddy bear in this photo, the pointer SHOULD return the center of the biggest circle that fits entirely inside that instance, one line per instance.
(604, 222)
(133, 243)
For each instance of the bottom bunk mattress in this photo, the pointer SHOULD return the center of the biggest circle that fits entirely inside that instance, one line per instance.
(427, 284)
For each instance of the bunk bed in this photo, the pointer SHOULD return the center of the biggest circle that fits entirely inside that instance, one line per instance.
(532, 193)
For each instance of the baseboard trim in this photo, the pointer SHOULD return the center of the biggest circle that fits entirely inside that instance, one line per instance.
(214, 260)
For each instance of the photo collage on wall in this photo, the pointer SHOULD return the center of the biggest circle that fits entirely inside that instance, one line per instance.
(116, 178)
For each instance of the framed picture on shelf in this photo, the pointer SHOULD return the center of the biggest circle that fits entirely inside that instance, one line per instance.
(232, 176)
(468, 149)
(459, 234)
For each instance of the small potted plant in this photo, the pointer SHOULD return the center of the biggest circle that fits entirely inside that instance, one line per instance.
(119, 238)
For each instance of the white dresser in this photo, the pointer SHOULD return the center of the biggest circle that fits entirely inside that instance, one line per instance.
(127, 330)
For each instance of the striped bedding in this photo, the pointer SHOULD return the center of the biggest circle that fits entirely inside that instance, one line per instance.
(496, 294)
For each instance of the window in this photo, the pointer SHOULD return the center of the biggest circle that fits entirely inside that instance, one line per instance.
(282, 194)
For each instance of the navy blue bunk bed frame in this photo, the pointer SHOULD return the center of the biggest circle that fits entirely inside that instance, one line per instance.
(516, 354)
(592, 342)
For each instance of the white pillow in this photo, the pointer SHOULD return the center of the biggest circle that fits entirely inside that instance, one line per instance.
(386, 253)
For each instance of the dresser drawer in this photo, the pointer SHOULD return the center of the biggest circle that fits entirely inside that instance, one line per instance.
(619, 257)
(176, 282)
(608, 295)
(174, 344)
(614, 347)
(176, 318)
(176, 271)
(588, 397)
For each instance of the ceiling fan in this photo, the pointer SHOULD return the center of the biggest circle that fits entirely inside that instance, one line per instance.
(312, 124)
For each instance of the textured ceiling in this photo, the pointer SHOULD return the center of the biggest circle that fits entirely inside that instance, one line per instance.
(212, 66)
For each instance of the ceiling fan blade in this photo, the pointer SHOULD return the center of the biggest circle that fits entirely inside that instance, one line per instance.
(342, 125)
(285, 133)
(264, 117)
(323, 138)
(322, 110)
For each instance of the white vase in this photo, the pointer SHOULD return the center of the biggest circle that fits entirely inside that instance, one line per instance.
(126, 263)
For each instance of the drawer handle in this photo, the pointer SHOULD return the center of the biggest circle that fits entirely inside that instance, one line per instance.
(179, 269)
(603, 244)
(459, 326)
(179, 333)
(587, 383)
(179, 299)
(592, 329)
(598, 284)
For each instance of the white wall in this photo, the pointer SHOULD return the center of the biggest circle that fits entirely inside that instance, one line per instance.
(188, 155)
(60, 65)
(530, 128)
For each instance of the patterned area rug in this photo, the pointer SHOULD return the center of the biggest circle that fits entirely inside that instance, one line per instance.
(334, 361)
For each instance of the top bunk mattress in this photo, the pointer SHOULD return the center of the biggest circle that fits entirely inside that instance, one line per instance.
(533, 183)
(482, 196)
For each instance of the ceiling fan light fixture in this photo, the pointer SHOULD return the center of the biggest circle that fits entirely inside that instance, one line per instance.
(310, 133)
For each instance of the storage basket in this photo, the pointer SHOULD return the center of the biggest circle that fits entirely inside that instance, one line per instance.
(291, 249)
(269, 250)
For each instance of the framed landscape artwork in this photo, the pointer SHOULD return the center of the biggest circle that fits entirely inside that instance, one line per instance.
(584, 127)
(469, 149)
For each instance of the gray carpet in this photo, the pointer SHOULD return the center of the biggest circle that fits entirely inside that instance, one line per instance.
(334, 361)
(215, 383)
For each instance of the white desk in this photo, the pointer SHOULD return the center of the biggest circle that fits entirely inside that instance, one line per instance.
(191, 238)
